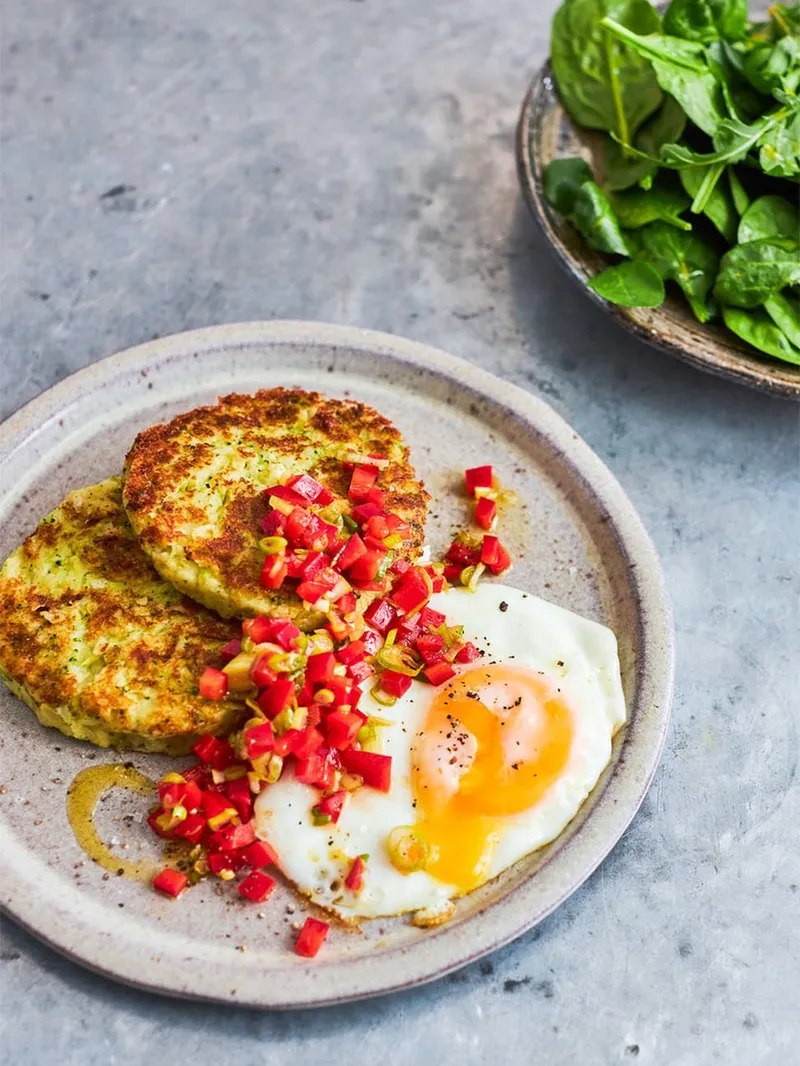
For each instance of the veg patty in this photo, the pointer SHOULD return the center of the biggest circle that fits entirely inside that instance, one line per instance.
(96, 643)
(194, 489)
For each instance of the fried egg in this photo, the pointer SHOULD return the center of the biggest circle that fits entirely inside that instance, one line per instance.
(485, 769)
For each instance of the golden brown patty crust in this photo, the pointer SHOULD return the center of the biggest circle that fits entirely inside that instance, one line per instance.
(193, 489)
(96, 643)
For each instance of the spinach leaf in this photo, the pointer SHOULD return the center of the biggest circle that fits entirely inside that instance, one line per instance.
(750, 273)
(726, 63)
(768, 217)
(706, 20)
(719, 205)
(771, 66)
(562, 179)
(780, 149)
(637, 207)
(785, 313)
(630, 284)
(602, 84)
(595, 218)
(681, 69)
(758, 329)
(684, 258)
(620, 170)
(741, 201)
(732, 140)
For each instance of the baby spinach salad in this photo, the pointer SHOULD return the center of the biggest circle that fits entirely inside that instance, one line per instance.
(698, 181)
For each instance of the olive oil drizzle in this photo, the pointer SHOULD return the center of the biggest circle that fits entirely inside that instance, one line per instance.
(82, 797)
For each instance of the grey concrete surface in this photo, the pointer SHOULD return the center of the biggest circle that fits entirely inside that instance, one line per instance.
(171, 165)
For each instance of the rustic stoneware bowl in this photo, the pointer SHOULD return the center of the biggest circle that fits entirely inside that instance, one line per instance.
(545, 132)
(577, 541)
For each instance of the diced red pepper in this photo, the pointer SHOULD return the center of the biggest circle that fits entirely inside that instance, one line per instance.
(312, 937)
(431, 619)
(439, 673)
(306, 694)
(272, 523)
(193, 828)
(230, 650)
(485, 512)
(307, 742)
(355, 877)
(336, 626)
(226, 861)
(310, 592)
(332, 805)
(377, 526)
(494, 555)
(284, 492)
(310, 489)
(452, 572)
(371, 641)
(312, 564)
(260, 629)
(218, 810)
(430, 646)
(260, 672)
(382, 586)
(316, 769)
(260, 854)
(232, 838)
(259, 740)
(351, 653)
(360, 671)
(399, 566)
(329, 578)
(347, 603)
(213, 684)
(365, 511)
(341, 728)
(343, 690)
(437, 583)
(152, 821)
(172, 883)
(214, 752)
(286, 633)
(199, 774)
(363, 479)
(468, 654)
(461, 554)
(377, 497)
(478, 477)
(381, 615)
(257, 886)
(351, 553)
(238, 792)
(412, 591)
(277, 697)
(273, 572)
(320, 667)
(366, 567)
(376, 770)
(305, 530)
(173, 793)
(395, 684)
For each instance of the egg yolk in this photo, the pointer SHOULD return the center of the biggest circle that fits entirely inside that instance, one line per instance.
(494, 741)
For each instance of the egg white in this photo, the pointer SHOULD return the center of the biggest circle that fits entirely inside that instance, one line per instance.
(577, 657)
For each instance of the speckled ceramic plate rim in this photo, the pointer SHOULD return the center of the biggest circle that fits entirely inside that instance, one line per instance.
(30, 901)
(760, 375)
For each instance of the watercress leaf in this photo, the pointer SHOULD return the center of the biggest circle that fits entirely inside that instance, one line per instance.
(758, 329)
(769, 217)
(750, 273)
(603, 84)
(681, 69)
(685, 258)
(622, 170)
(706, 20)
(741, 201)
(630, 284)
(779, 153)
(785, 313)
(595, 218)
(719, 204)
(562, 179)
(636, 208)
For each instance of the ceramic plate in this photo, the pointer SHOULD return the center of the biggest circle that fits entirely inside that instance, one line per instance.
(577, 541)
(545, 132)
